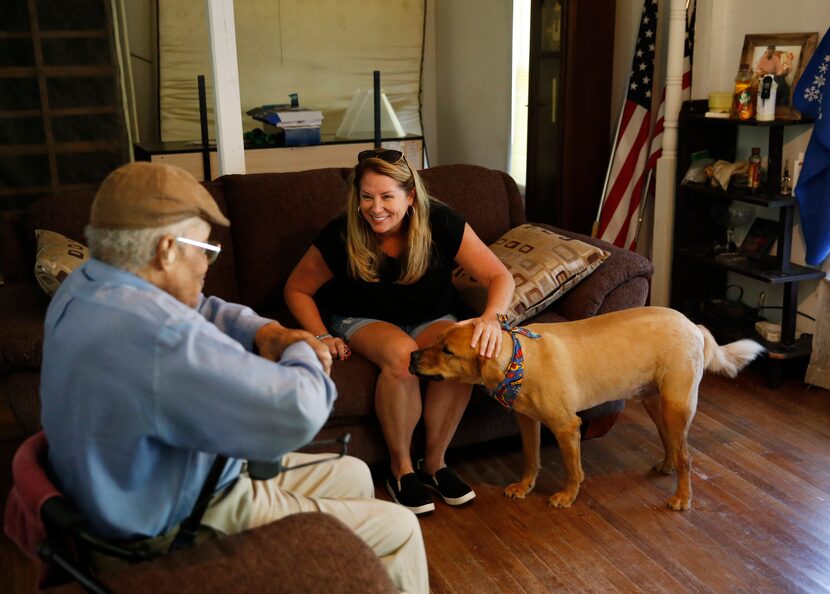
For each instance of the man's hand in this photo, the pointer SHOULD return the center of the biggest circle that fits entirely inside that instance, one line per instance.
(272, 339)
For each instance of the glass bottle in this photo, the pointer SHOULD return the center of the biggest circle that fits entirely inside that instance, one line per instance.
(753, 176)
(786, 180)
(743, 105)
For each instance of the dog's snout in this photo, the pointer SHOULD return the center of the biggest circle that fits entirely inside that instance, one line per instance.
(414, 357)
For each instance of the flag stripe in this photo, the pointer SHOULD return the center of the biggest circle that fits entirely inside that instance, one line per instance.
(624, 196)
(630, 146)
(622, 164)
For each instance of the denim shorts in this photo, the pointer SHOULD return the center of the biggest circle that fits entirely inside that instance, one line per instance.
(346, 327)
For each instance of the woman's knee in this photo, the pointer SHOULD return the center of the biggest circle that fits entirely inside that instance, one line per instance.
(396, 361)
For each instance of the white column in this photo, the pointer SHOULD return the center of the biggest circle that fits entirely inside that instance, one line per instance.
(228, 107)
(667, 164)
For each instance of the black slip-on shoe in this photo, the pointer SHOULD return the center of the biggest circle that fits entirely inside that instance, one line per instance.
(409, 492)
(448, 485)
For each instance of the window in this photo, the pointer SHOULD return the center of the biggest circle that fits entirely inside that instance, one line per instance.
(521, 74)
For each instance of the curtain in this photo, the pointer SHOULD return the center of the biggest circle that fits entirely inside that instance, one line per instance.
(324, 50)
(818, 372)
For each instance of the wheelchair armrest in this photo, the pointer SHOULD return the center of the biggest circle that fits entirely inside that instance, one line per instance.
(63, 523)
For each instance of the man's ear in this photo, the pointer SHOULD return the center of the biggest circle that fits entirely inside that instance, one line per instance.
(166, 251)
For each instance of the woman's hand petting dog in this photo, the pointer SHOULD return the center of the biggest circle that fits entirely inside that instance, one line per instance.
(486, 335)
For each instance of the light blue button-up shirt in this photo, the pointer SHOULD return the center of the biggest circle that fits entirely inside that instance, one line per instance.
(140, 391)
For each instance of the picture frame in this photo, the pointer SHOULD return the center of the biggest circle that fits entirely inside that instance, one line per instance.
(784, 55)
(760, 238)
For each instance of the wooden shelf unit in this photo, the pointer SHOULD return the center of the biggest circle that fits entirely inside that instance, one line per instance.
(700, 275)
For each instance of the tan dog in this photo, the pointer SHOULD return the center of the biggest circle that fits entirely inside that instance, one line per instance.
(651, 354)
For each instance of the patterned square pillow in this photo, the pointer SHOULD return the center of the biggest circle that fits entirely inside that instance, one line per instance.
(544, 265)
(57, 256)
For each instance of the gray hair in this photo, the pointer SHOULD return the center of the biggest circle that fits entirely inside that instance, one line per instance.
(132, 249)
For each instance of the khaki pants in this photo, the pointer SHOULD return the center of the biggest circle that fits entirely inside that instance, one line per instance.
(343, 488)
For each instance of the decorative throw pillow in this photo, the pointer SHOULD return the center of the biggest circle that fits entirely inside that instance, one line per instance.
(57, 256)
(543, 264)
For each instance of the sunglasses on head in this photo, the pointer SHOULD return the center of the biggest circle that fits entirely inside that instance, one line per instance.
(211, 248)
(388, 155)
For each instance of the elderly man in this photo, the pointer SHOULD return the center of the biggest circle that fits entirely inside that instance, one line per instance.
(145, 381)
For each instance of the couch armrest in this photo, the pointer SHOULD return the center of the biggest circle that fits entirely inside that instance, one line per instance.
(621, 282)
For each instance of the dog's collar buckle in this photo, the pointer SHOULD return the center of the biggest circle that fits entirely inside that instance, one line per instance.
(508, 389)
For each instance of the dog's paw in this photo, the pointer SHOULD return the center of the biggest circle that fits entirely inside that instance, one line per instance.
(517, 490)
(561, 499)
(680, 503)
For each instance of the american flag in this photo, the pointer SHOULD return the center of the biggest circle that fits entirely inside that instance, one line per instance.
(618, 216)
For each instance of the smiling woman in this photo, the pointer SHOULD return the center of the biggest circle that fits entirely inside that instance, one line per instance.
(389, 259)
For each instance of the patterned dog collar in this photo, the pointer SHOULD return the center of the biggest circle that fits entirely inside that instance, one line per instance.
(508, 389)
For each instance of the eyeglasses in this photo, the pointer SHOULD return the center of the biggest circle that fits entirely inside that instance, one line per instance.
(212, 248)
(389, 155)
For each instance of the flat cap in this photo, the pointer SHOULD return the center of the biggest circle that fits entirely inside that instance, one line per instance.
(145, 195)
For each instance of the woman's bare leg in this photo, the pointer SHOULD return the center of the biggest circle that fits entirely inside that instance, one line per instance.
(397, 392)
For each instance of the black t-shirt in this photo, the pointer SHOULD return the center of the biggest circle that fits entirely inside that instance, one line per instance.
(431, 297)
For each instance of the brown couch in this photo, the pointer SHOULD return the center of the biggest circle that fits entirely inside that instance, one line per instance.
(274, 217)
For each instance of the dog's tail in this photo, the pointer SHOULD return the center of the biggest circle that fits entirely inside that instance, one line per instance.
(730, 358)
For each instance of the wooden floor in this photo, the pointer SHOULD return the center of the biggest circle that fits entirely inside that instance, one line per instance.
(760, 520)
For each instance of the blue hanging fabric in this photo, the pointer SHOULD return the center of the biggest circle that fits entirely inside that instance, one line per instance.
(813, 189)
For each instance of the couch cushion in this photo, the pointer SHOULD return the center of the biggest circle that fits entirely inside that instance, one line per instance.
(494, 207)
(544, 265)
(56, 257)
(625, 273)
(274, 219)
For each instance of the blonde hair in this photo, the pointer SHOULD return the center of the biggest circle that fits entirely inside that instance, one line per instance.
(362, 247)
